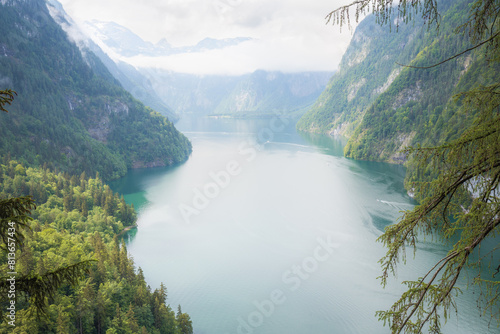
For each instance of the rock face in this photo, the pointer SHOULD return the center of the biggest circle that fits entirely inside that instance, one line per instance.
(256, 94)
(367, 70)
(70, 112)
(131, 79)
(381, 106)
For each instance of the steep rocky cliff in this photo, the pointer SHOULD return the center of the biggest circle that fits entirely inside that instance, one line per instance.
(254, 94)
(70, 113)
(382, 106)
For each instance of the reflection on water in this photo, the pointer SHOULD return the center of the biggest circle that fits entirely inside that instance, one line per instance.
(326, 144)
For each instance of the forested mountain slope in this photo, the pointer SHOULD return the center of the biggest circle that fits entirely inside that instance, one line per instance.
(78, 218)
(382, 106)
(135, 83)
(367, 69)
(70, 112)
(261, 93)
(73, 118)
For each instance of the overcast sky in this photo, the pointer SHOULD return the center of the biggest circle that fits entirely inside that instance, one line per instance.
(290, 35)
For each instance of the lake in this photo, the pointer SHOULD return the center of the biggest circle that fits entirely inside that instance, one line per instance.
(264, 230)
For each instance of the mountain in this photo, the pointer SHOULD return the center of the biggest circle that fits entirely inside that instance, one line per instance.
(265, 93)
(367, 69)
(190, 93)
(213, 44)
(255, 94)
(382, 106)
(70, 112)
(122, 41)
(131, 79)
(71, 116)
(136, 83)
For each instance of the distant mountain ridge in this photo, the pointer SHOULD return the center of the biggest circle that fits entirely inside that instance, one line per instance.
(128, 44)
(268, 92)
(255, 94)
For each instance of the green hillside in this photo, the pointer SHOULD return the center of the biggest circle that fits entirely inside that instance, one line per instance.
(382, 106)
(70, 113)
(78, 218)
(367, 69)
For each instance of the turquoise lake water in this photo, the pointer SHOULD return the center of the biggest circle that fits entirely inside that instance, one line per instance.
(264, 230)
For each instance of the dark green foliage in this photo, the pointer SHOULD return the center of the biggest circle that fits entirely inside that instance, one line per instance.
(367, 68)
(14, 219)
(70, 113)
(457, 185)
(417, 105)
(41, 287)
(456, 175)
(77, 219)
(6, 97)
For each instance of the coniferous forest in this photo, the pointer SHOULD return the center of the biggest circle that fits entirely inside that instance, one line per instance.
(382, 101)
(79, 218)
(67, 127)
(70, 112)
(405, 94)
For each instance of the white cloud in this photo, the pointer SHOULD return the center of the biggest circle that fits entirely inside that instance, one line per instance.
(290, 35)
(243, 58)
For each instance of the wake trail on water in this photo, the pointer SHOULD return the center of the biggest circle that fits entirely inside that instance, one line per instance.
(397, 205)
(225, 133)
(287, 144)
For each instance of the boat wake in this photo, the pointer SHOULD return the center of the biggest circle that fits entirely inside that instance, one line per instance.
(397, 205)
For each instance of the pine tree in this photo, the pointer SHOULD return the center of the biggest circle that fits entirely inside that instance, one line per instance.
(85, 210)
(14, 223)
(184, 322)
(130, 320)
(457, 183)
(85, 306)
(83, 181)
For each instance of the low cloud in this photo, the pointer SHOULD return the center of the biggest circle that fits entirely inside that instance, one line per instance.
(245, 58)
(289, 35)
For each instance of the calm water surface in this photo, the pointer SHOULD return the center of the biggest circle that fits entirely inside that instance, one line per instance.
(264, 230)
